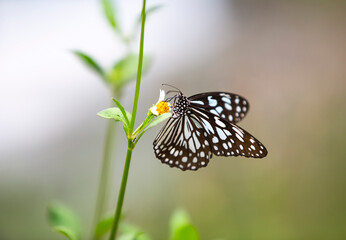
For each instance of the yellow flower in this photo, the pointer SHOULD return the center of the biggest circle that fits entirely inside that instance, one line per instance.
(161, 106)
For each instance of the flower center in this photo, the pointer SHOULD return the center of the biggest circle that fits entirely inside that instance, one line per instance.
(162, 107)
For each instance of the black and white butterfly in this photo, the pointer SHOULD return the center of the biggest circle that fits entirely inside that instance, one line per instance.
(203, 125)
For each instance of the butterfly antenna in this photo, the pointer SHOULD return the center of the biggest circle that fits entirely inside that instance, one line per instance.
(171, 98)
(171, 87)
(172, 91)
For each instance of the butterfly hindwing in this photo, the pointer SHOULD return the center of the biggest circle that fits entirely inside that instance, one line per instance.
(227, 139)
(228, 106)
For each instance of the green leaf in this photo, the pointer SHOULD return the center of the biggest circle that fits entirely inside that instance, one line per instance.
(90, 62)
(132, 232)
(132, 236)
(128, 236)
(64, 221)
(181, 227)
(152, 9)
(158, 119)
(148, 12)
(179, 219)
(67, 232)
(109, 11)
(125, 69)
(123, 111)
(104, 226)
(117, 115)
(110, 113)
(186, 232)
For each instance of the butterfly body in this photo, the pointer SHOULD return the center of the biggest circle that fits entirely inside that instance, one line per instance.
(181, 106)
(203, 125)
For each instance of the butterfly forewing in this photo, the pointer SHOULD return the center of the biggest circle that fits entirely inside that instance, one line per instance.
(181, 143)
(228, 106)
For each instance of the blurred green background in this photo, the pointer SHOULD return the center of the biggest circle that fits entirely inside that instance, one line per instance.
(286, 57)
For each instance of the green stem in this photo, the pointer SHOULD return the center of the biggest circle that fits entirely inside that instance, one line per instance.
(146, 122)
(139, 71)
(122, 191)
(130, 144)
(103, 188)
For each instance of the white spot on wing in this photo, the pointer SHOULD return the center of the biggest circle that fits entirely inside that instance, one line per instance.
(212, 102)
(192, 146)
(218, 122)
(187, 132)
(213, 111)
(221, 134)
(238, 131)
(201, 113)
(225, 99)
(198, 145)
(228, 106)
(198, 102)
(208, 127)
(219, 109)
(239, 137)
(230, 117)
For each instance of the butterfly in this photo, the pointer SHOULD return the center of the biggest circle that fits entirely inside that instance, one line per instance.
(202, 125)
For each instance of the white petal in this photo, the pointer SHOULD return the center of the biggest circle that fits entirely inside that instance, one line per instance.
(162, 96)
(154, 110)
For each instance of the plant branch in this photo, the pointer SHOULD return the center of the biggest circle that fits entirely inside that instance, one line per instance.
(122, 191)
(130, 144)
(139, 71)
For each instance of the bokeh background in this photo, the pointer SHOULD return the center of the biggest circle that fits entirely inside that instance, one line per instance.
(288, 58)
